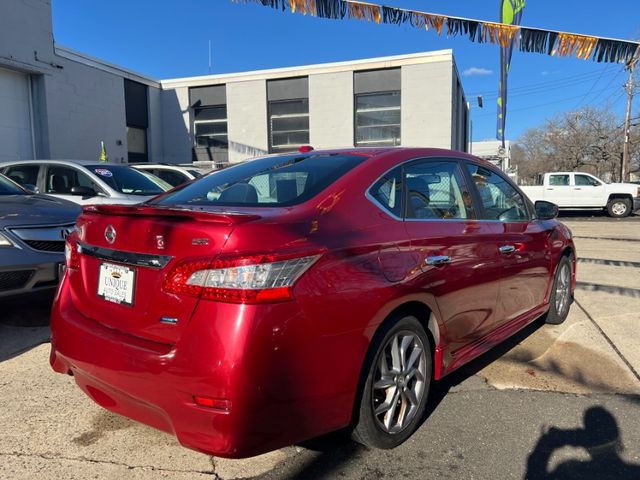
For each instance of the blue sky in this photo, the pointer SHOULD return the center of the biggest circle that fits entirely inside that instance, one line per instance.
(169, 38)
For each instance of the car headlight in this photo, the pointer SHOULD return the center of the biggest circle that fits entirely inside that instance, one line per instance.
(5, 242)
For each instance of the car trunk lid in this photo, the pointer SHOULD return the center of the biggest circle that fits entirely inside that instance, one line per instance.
(127, 252)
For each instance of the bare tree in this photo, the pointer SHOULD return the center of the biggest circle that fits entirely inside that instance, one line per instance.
(588, 140)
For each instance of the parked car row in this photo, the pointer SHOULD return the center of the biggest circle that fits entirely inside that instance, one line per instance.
(40, 201)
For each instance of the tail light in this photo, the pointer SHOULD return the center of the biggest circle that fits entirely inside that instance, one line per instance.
(252, 279)
(72, 252)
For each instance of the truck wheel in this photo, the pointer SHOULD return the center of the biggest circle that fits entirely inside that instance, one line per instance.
(619, 207)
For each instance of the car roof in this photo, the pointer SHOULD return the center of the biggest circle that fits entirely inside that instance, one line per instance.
(71, 163)
(373, 152)
(156, 165)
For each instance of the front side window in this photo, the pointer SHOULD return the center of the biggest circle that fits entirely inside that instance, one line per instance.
(586, 180)
(60, 180)
(265, 182)
(500, 200)
(559, 180)
(377, 119)
(288, 124)
(435, 189)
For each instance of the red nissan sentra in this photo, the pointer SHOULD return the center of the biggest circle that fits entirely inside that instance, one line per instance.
(298, 294)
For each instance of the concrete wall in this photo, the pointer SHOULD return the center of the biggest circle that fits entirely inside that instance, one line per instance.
(331, 110)
(176, 138)
(25, 28)
(77, 101)
(85, 106)
(247, 119)
(426, 105)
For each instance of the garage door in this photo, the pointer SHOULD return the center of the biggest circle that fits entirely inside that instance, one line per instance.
(15, 118)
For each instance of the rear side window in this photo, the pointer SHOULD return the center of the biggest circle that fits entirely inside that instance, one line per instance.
(559, 180)
(387, 191)
(265, 182)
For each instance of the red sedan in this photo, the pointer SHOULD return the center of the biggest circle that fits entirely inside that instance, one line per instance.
(294, 295)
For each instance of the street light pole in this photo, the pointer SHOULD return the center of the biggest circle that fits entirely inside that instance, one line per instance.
(629, 87)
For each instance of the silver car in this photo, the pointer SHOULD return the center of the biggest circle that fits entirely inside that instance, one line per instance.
(33, 229)
(85, 182)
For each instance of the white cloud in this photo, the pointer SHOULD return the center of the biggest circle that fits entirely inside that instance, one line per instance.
(477, 71)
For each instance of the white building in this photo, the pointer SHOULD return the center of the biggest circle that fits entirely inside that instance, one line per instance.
(493, 151)
(59, 103)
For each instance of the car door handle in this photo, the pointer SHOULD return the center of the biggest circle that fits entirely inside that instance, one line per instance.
(507, 249)
(577, 188)
(549, 188)
(437, 260)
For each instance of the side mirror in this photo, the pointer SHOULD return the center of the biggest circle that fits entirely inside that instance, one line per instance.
(546, 210)
(83, 191)
(31, 187)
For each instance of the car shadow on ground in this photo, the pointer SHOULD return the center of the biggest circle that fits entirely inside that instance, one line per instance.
(24, 324)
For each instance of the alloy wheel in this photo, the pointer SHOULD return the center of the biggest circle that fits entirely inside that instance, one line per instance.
(399, 381)
(619, 209)
(562, 289)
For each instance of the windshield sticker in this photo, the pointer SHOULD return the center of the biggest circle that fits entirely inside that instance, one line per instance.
(104, 172)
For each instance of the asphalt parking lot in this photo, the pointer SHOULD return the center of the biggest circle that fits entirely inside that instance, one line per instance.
(552, 402)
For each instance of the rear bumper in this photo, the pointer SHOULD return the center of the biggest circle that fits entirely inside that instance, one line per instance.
(249, 363)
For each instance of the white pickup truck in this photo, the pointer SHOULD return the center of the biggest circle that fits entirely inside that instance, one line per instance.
(577, 190)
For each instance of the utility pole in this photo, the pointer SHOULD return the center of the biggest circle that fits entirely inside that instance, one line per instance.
(629, 87)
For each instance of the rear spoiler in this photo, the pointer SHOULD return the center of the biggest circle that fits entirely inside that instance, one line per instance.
(202, 215)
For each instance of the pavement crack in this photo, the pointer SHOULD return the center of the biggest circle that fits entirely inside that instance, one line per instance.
(53, 456)
(213, 468)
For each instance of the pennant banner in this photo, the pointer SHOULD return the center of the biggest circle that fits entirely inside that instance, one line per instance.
(527, 39)
(511, 16)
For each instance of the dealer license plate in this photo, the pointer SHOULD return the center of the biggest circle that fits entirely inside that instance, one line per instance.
(117, 283)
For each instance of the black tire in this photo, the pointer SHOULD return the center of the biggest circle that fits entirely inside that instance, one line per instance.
(558, 314)
(369, 429)
(619, 207)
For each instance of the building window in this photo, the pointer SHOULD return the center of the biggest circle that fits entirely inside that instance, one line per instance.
(288, 103)
(137, 140)
(209, 116)
(288, 125)
(378, 119)
(377, 107)
(137, 115)
(210, 126)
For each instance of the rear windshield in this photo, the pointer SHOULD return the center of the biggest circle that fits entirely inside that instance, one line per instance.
(7, 187)
(265, 182)
(128, 180)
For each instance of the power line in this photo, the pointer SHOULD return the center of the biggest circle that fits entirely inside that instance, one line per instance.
(591, 89)
(536, 106)
(546, 82)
